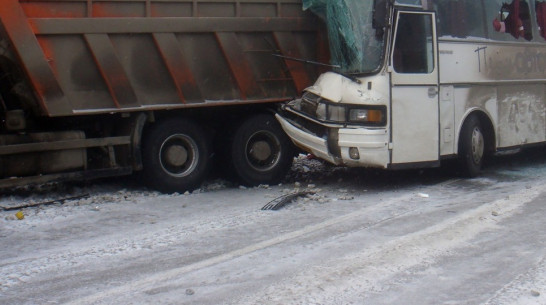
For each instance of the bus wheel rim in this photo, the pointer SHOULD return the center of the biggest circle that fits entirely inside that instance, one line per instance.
(478, 145)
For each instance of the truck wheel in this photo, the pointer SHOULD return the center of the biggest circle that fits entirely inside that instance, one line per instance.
(260, 152)
(175, 155)
(471, 147)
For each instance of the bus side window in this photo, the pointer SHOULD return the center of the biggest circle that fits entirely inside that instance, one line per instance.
(515, 19)
(456, 23)
(540, 8)
(413, 44)
(460, 18)
(525, 16)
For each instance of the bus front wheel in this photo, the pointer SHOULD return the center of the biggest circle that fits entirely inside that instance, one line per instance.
(471, 147)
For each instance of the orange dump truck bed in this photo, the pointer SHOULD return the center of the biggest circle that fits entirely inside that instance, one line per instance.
(87, 56)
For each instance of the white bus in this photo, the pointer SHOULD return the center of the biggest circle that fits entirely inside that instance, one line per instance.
(420, 81)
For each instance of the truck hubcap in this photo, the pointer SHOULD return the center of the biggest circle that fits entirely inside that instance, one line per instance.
(260, 150)
(178, 155)
(263, 150)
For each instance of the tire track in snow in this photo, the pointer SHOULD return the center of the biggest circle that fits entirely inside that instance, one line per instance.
(348, 278)
(528, 288)
(154, 280)
(29, 266)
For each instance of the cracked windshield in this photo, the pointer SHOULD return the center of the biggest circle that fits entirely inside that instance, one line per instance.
(356, 41)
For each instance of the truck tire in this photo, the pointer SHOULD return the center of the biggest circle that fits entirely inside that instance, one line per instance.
(175, 155)
(259, 151)
(471, 147)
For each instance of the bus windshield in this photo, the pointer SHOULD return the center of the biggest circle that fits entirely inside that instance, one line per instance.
(355, 33)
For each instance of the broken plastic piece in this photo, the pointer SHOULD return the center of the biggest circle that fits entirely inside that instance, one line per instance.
(280, 202)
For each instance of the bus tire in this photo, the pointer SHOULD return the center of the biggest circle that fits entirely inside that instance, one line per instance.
(175, 155)
(259, 151)
(471, 147)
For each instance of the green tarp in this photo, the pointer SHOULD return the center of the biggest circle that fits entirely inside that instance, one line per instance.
(354, 45)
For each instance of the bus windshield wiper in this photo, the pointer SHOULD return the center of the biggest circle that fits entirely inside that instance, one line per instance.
(316, 63)
(349, 76)
(354, 79)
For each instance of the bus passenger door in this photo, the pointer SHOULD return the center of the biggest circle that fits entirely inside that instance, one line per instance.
(414, 95)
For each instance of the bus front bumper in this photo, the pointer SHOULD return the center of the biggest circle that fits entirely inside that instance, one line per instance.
(371, 144)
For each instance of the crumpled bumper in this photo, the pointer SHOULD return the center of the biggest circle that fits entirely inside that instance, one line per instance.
(372, 144)
(311, 143)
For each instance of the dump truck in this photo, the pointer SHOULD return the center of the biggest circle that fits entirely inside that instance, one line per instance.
(165, 88)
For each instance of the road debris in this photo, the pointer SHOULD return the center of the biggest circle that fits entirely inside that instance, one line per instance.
(50, 202)
(281, 201)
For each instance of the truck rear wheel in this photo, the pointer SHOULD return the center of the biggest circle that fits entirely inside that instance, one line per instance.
(471, 147)
(175, 155)
(260, 152)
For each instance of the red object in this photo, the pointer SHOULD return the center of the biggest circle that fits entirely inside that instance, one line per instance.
(497, 25)
(514, 25)
(541, 17)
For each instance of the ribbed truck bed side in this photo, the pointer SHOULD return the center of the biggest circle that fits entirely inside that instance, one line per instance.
(87, 56)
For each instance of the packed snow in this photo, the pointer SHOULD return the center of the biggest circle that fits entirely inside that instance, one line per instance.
(359, 237)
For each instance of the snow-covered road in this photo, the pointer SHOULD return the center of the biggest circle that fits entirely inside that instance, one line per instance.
(365, 237)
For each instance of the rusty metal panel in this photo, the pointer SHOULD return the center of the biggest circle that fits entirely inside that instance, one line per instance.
(96, 56)
(209, 68)
(58, 9)
(78, 72)
(63, 26)
(35, 59)
(218, 9)
(288, 47)
(118, 8)
(111, 70)
(171, 9)
(258, 10)
(239, 65)
(178, 67)
(271, 74)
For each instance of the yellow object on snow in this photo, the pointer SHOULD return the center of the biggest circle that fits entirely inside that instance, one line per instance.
(20, 215)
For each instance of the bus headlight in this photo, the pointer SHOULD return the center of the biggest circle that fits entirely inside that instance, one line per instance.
(360, 115)
(369, 115)
(336, 113)
(321, 111)
(331, 113)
